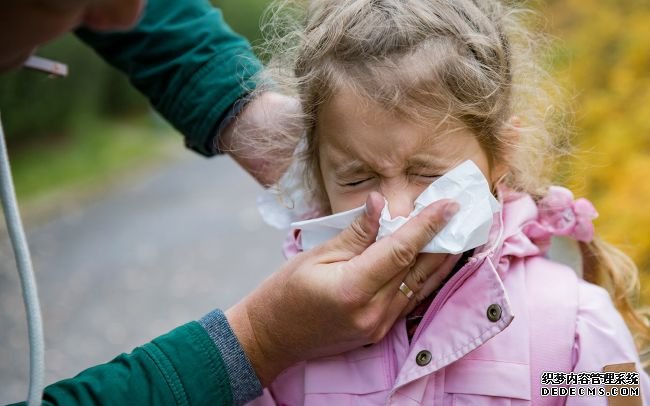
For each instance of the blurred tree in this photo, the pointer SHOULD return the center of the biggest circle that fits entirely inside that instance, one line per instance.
(605, 58)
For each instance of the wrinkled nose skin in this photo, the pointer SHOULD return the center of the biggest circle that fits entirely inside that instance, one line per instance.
(401, 199)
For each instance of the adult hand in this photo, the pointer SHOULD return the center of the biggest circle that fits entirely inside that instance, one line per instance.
(340, 295)
(257, 138)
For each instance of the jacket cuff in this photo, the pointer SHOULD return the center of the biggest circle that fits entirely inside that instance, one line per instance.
(243, 380)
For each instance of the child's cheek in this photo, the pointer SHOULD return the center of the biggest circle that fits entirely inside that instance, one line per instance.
(343, 200)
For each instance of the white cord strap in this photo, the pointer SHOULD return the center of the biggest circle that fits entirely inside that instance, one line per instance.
(27, 279)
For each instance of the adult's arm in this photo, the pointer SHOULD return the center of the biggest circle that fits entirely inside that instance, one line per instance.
(184, 367)
(187, 61)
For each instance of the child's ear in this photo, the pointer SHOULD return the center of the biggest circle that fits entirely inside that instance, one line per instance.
(509, 139)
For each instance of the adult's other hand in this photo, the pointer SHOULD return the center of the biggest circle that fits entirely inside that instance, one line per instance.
(252, 138)
(340, 295)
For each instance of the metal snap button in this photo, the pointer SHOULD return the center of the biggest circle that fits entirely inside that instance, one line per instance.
(494, 312)
(423, 358)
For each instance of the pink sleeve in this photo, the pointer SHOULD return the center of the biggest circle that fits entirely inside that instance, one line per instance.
(602, 338)
(292, 244)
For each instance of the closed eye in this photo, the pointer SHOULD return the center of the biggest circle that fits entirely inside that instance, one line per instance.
(355, 183)
(428, 176)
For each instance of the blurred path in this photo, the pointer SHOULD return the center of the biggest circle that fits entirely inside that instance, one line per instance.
(156, 252)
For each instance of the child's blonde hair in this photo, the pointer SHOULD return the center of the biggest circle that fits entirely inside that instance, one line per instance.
(469, 61)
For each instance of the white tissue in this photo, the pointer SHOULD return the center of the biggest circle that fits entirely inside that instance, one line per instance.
(468, 229)
(281, 206)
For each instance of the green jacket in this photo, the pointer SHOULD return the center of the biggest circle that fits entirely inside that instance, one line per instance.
(193, 69)
(182, 367)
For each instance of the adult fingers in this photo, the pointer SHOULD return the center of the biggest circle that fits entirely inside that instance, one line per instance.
(395, 302)
(427, 276)
(383, 260)
(399, 301)
(361, 233)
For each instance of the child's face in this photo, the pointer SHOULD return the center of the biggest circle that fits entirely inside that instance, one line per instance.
(364, 148)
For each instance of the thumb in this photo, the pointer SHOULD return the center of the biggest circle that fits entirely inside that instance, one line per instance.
(363, 231)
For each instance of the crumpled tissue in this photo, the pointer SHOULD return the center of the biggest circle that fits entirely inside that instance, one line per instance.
(468, 229)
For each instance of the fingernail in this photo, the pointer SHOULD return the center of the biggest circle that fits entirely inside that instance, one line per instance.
(371, 204)
(450, 210)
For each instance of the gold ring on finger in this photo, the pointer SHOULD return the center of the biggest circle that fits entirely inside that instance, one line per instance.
(406, 290)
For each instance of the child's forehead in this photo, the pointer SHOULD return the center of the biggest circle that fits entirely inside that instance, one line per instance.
(346, 105)
(349, 122)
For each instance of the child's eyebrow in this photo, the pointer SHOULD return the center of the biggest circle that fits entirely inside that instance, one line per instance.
(426, 163)
(349, 168)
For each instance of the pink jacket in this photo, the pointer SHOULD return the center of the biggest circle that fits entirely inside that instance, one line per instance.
(487, 336)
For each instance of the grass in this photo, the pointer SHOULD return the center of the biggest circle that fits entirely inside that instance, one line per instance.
(91, 154)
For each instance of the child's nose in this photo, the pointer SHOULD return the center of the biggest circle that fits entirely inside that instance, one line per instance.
(400, 201)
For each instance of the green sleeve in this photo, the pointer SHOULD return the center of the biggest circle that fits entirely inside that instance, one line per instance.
(182, 367)
(187, 61)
